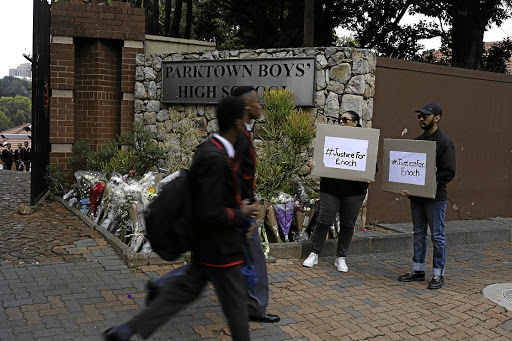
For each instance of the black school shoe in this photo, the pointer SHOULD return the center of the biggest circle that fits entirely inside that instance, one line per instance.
(268, 318)
(412, 276)
(436, 282)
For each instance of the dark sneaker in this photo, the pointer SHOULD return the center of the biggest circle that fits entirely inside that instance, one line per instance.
(436, 282)
(118, 333)
(412, 276)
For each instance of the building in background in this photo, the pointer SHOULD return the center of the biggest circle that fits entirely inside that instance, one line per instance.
(22, 71)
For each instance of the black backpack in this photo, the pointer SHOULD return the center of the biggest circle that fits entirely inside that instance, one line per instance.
(168, 218)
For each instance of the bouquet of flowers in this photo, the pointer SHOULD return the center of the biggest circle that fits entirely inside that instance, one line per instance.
(304, 211)
(283, 205)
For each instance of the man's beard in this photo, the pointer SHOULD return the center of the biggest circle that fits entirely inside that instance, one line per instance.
(427, 126)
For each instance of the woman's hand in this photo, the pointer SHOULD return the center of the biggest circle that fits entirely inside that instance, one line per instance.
(311, 163)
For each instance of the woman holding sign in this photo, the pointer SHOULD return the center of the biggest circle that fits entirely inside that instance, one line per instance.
(338, 196)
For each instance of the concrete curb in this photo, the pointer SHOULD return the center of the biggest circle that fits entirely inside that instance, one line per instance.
(127, 255)
(399, 240)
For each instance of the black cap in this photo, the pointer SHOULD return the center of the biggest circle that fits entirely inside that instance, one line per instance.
(431, 108)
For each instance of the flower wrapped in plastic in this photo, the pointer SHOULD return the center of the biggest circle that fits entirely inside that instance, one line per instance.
(85, 180)
(284, 205)
(96, 192)
(118, 199)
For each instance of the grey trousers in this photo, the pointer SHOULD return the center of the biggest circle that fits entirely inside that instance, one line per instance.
(185, 286)
(348, 207)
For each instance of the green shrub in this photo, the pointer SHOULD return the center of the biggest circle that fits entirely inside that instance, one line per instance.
(81, 154)
(146, 151)
(106, 151)
(142, 154)
(56, 178)
(283, 151)
(121, 163)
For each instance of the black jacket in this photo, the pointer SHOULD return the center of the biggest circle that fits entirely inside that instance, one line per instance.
(217, 237)
(247, 161)
(445, 161)
(7, 155)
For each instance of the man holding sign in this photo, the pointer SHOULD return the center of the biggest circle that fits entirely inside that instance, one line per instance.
(431, 212)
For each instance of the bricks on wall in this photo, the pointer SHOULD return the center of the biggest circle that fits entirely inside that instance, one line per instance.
(90, 72)
(98, 90)
(126, 115)
(62, 117)
(116, 21)
(62, 66)
(128, 68)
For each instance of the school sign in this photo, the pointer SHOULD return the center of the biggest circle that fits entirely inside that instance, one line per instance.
(207, 81)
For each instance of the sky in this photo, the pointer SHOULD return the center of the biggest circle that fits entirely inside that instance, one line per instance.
(16, 33)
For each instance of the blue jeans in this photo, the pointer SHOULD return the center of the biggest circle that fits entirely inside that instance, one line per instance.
(431, 214)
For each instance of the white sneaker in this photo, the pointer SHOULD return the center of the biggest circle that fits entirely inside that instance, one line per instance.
(311, 260)
(340, 263)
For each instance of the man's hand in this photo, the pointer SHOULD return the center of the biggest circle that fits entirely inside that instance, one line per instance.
(405, 193)
(249, 210)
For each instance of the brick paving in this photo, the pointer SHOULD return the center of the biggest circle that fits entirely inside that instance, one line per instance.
(59, 280)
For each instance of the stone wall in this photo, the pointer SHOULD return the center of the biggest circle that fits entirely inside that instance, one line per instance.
(345, 80)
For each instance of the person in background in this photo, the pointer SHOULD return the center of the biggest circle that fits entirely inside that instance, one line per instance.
(430, 212)
(25, 156)
(7, 157)
(338, 196)
(17, 158)
(258, 296)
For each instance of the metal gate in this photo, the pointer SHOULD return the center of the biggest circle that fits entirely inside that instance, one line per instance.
(40, 156)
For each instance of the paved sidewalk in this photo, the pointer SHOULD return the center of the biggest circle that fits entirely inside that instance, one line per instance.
(59, 280)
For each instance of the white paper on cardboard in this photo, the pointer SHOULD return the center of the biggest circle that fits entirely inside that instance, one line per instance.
(407, 167)
(345, 153)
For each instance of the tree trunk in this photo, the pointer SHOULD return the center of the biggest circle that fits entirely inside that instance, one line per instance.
(467, 42)
(309, 22)
(188, 28)
(149, 18)
(175, 29)
(155, 11)
(167, 18)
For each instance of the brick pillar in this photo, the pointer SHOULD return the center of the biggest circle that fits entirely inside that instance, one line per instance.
(98, 90)
(130, 50)
(92, 72)
(62, 106)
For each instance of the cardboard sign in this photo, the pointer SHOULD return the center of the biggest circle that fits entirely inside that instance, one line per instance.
(410, 165)
(348, 153)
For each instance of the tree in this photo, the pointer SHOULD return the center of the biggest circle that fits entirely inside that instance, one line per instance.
(5, 122)
(468, 19)
(377, 26)
(11, 86)
(496, 57)
(18, 110)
